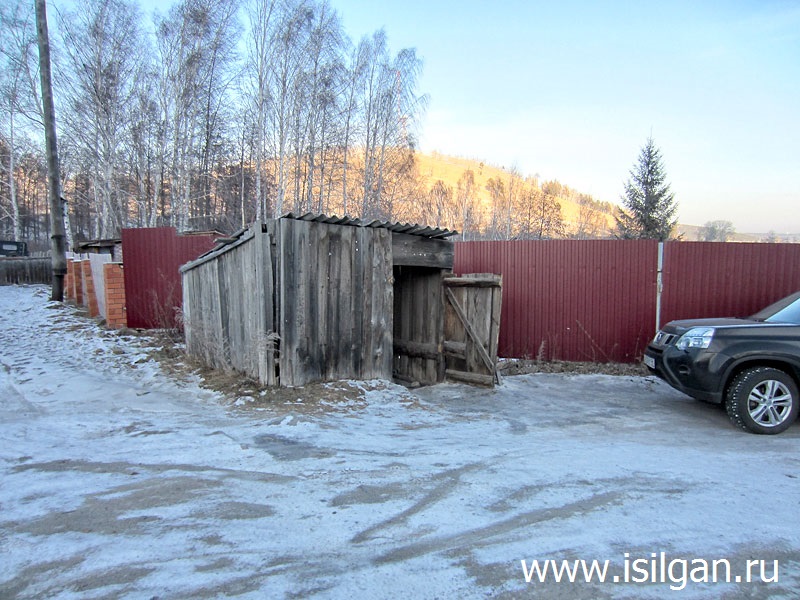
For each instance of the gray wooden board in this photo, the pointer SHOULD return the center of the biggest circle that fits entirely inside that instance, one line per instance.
(335, 302)
(472, 317)
(228, 308)
(202, 318)
(417, 251)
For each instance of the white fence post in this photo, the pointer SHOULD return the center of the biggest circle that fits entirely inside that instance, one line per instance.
(659, 284)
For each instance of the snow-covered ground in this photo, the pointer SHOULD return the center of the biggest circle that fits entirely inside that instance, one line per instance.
(120, 480)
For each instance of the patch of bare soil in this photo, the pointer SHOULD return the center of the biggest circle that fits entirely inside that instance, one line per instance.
(312, 398)
(518, 366)
(243, 392)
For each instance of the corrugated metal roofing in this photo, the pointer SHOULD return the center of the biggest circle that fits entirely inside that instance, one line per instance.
(397, 227)
(411, 229)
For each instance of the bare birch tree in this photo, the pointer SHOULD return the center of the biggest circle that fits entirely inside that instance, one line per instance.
(353, 90)
(103, 45)
(498, 197)
(147, 149)
(262, 15)
(390, 112)
(288, 42)
(196, 49)
(57, 229)
(467, 205)
(548, 221)
(18, 95)
(591, 221)
(324, 72)
(158, 130)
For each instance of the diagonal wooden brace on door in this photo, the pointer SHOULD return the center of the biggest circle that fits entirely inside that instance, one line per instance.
(470, 331)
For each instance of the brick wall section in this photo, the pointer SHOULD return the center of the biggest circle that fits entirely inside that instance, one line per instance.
(77, 280)
(116, 312)
(69, 281)
(89, 294)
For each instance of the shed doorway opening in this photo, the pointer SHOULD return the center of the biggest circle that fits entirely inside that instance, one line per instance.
(417, 328)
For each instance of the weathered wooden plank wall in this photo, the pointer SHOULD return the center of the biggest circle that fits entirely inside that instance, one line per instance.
(202, 319)
(418, 325)
(246, 289)
(228, 308)
(332, 295)
(335, 302)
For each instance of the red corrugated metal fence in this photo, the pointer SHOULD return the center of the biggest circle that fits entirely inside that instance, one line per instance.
(152, 258)
(590, 300)
(708, 279)
(595, 300)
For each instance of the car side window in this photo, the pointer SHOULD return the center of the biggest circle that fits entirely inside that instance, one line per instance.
(790, 314)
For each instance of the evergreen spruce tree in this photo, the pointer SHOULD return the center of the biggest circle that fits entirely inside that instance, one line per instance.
(649, 205)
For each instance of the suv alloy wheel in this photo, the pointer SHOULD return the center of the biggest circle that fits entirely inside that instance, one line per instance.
(763, 400)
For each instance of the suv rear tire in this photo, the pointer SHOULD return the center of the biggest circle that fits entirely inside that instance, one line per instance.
(763, 400)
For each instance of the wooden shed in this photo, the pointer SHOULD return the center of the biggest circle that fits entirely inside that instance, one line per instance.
(316, 298)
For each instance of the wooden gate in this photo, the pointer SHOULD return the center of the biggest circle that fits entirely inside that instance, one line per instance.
(471, 327)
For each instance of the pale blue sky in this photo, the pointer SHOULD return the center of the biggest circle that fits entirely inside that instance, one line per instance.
(572, 89)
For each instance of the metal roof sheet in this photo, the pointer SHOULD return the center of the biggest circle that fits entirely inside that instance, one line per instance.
(397, 227)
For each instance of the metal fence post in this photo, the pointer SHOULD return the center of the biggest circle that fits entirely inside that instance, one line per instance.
(659, 284)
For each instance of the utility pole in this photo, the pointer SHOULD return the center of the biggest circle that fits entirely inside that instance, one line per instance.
(57, 229)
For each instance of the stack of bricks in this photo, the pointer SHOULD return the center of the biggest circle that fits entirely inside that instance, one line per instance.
(116, 316)
(89, 295)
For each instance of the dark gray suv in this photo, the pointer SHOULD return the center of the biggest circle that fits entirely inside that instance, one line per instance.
(750, 364)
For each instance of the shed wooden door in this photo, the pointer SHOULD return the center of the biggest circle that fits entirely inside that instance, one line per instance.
(471, 327)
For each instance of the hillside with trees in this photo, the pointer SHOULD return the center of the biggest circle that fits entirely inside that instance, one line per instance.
(484, 201)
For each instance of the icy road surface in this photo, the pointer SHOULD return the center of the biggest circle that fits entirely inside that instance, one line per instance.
(118, 480)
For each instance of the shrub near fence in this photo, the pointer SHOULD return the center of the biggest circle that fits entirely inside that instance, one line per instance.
(598, 300)
(25, 270)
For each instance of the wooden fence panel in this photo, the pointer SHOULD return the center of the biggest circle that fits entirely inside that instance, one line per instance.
(25, 270)
(228, 308)
(246, 288)
(202, 316)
